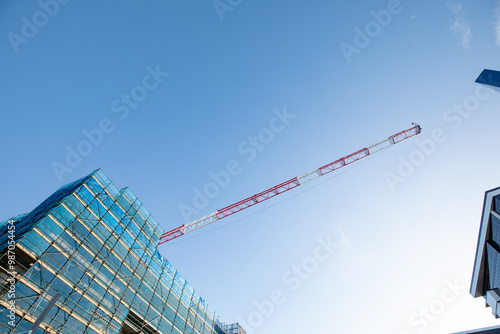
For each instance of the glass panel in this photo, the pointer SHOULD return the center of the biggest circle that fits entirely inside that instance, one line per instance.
(55, 258)
(94, 185)
(495, 230)
(493, 258)
(74, 325)
(62, 215)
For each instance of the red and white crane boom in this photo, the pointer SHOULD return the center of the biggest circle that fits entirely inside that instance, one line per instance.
(290, 184)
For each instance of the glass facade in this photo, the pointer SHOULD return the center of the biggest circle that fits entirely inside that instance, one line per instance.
(97, 246)
(493, 254)
(493, 270)
(486, 273)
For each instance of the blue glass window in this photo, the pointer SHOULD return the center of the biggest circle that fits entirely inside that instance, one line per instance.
(495, 230)
(493, 258)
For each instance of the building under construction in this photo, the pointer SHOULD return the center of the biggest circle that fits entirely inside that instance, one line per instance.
(95, 248)
(86, 260)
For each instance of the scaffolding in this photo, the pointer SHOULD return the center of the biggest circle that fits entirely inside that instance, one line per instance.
(235, 329)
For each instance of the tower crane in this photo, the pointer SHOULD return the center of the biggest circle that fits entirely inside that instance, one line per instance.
(290, 184)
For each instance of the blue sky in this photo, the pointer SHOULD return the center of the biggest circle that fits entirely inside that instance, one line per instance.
(170, 92)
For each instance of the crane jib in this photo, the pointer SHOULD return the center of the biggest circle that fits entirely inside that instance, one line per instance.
(290, 184)
(258, 198)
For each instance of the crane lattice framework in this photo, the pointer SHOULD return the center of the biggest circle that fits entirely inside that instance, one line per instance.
(290, 184)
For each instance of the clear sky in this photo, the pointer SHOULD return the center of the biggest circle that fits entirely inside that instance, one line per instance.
(165, 96)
